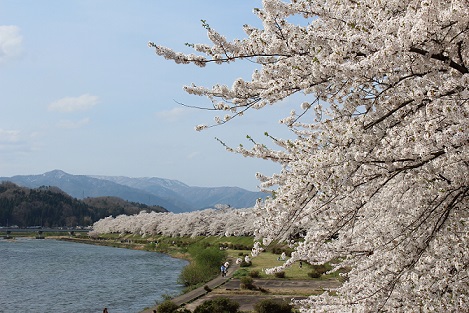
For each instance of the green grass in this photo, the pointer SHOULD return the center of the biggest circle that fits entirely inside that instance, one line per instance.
(267, 260)
(181, 246)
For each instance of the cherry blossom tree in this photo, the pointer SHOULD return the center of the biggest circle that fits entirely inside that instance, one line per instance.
(378, 172)
(208, 222)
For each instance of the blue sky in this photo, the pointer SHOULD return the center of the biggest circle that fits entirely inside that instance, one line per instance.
(82, 92)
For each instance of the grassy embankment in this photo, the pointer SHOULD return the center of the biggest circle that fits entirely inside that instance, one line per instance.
(205, 255)
(187, 248)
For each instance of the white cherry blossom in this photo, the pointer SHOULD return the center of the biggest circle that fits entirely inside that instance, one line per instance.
(209, 222)
(378, 173)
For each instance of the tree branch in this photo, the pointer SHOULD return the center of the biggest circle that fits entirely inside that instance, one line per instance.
(439, 56)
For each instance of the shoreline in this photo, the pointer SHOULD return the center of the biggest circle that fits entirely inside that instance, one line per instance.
(132, 246)
(187, 295)
(46, 264)
(300, 285)
(116, 244)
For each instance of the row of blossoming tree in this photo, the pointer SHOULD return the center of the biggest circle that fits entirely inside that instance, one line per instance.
(378, 172)
(208, 222)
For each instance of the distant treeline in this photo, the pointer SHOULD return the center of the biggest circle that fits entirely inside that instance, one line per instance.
(48, 206)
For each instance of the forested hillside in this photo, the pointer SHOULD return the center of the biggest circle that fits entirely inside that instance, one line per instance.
(173, 195)
(51, 207)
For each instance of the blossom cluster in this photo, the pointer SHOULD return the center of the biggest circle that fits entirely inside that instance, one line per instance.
(208, 222)
(377, 174)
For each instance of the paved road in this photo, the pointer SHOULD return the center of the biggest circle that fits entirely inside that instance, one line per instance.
(199, 292)
(197, 296)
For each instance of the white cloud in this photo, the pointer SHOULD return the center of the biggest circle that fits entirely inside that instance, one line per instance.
(10, 42)
(193, 155)
(172, 115)
(9, 136)
(73, 124)
(12, 141)
(71, 104)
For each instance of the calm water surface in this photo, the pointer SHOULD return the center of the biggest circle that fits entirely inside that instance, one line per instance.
(55, 276)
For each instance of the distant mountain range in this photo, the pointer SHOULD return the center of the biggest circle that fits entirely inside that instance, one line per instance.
(173, 195)
(49, 206)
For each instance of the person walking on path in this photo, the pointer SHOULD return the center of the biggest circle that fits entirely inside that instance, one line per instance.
(223, 270)
(199, 292)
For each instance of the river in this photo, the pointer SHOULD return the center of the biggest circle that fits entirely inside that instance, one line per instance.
(48, 276)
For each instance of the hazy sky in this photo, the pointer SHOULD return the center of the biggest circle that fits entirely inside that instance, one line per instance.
(80, 91)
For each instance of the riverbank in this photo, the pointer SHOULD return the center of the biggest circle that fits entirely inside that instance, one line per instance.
(296, 281)
(108, 243)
